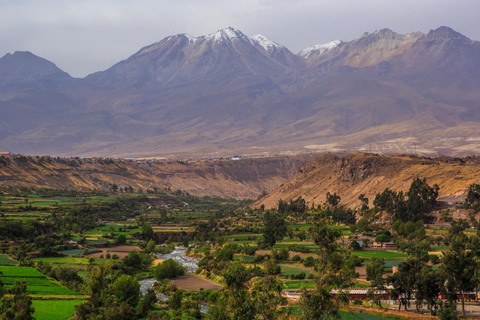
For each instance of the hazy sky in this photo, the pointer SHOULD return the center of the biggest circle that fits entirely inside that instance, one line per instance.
(84, 36)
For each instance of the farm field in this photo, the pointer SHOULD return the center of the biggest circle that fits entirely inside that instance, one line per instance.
(288, 270)
(6, 261)
(37, 283)
(54, 309)
(195, 283)
(380, 254)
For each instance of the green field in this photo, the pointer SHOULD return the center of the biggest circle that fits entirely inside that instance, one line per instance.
(64, 260)
(287, 270)
(297, 284)
(54, 309)
(238, 257)
(344, 315)
(23, 272)
(37, 283)
(6, 261)
(380, 254)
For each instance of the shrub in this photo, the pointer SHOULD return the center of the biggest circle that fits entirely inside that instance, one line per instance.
(309, 262)
(296, 258)
(168, 269)
(357, 302)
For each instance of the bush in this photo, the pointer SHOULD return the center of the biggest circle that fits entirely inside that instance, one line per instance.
(299, 276)
(225, 254)
(271, 268)
(309, 262)
(168, 269)
(447, 314)
(357, 302)
(296, 258)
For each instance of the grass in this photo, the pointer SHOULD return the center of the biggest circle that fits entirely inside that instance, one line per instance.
(55, 309)
(22, 272)
(37, 283)
(343, 315)
(297, 284)
(380, 254)
(6, 261)
(243, 258)
(77, 252)
(63, 260)
(288, 270)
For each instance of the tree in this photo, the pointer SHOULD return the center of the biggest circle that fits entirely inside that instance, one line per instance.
(235, 301)
(18, 305)
(429, 285)
(147, 232)
(126, 289)
(325, 238)
(168, 269)
(98, 278)
(472, 201)
(332, 199)
(364, 202)
(151, 246)
(121, 239)
(148, 302)
(459, 269)
(274, 227)
(404, 281)
(335, 270)
(175, 300)
(375, 271)
(267, 294)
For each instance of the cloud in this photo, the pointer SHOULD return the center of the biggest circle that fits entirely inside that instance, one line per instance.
(85, 36)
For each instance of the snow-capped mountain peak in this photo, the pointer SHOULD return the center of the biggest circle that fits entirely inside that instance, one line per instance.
(190, 38)
(266, 43)
(319, 48)
(226, 34)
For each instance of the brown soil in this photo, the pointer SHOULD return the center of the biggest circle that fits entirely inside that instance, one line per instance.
(194, 282)
(120, 251)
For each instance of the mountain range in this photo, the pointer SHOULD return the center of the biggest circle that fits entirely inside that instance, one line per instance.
(227, 93)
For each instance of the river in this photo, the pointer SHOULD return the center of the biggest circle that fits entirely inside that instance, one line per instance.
(178, 254)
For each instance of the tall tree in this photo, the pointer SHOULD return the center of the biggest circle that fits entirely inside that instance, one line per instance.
(325, 238)
(17, 305)
(459, 269)
(274, 227)
(375, 271)
(235, 301)
(335, 270)
(404, 281)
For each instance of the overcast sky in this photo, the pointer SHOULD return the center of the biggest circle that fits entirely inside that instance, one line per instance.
(85, 36)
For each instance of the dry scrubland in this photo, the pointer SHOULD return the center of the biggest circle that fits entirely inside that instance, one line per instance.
(370, 174)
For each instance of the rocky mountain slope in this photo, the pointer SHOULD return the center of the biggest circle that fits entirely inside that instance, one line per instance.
(370, 174)
(227, 93)
(245, 178)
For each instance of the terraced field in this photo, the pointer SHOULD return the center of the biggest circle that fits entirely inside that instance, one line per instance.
(51, 300)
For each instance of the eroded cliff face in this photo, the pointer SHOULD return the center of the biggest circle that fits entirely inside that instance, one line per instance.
(370, 174)
(245, 178)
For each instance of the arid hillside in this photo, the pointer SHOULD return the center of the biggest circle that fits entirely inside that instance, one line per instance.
(245, 178)
(370, 174)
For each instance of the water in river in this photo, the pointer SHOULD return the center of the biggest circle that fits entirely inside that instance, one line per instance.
(178, 255)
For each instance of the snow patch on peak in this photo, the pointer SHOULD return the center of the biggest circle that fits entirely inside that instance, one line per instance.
(266, 43)
(227, 33)
(319, 48)
(190, 38)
